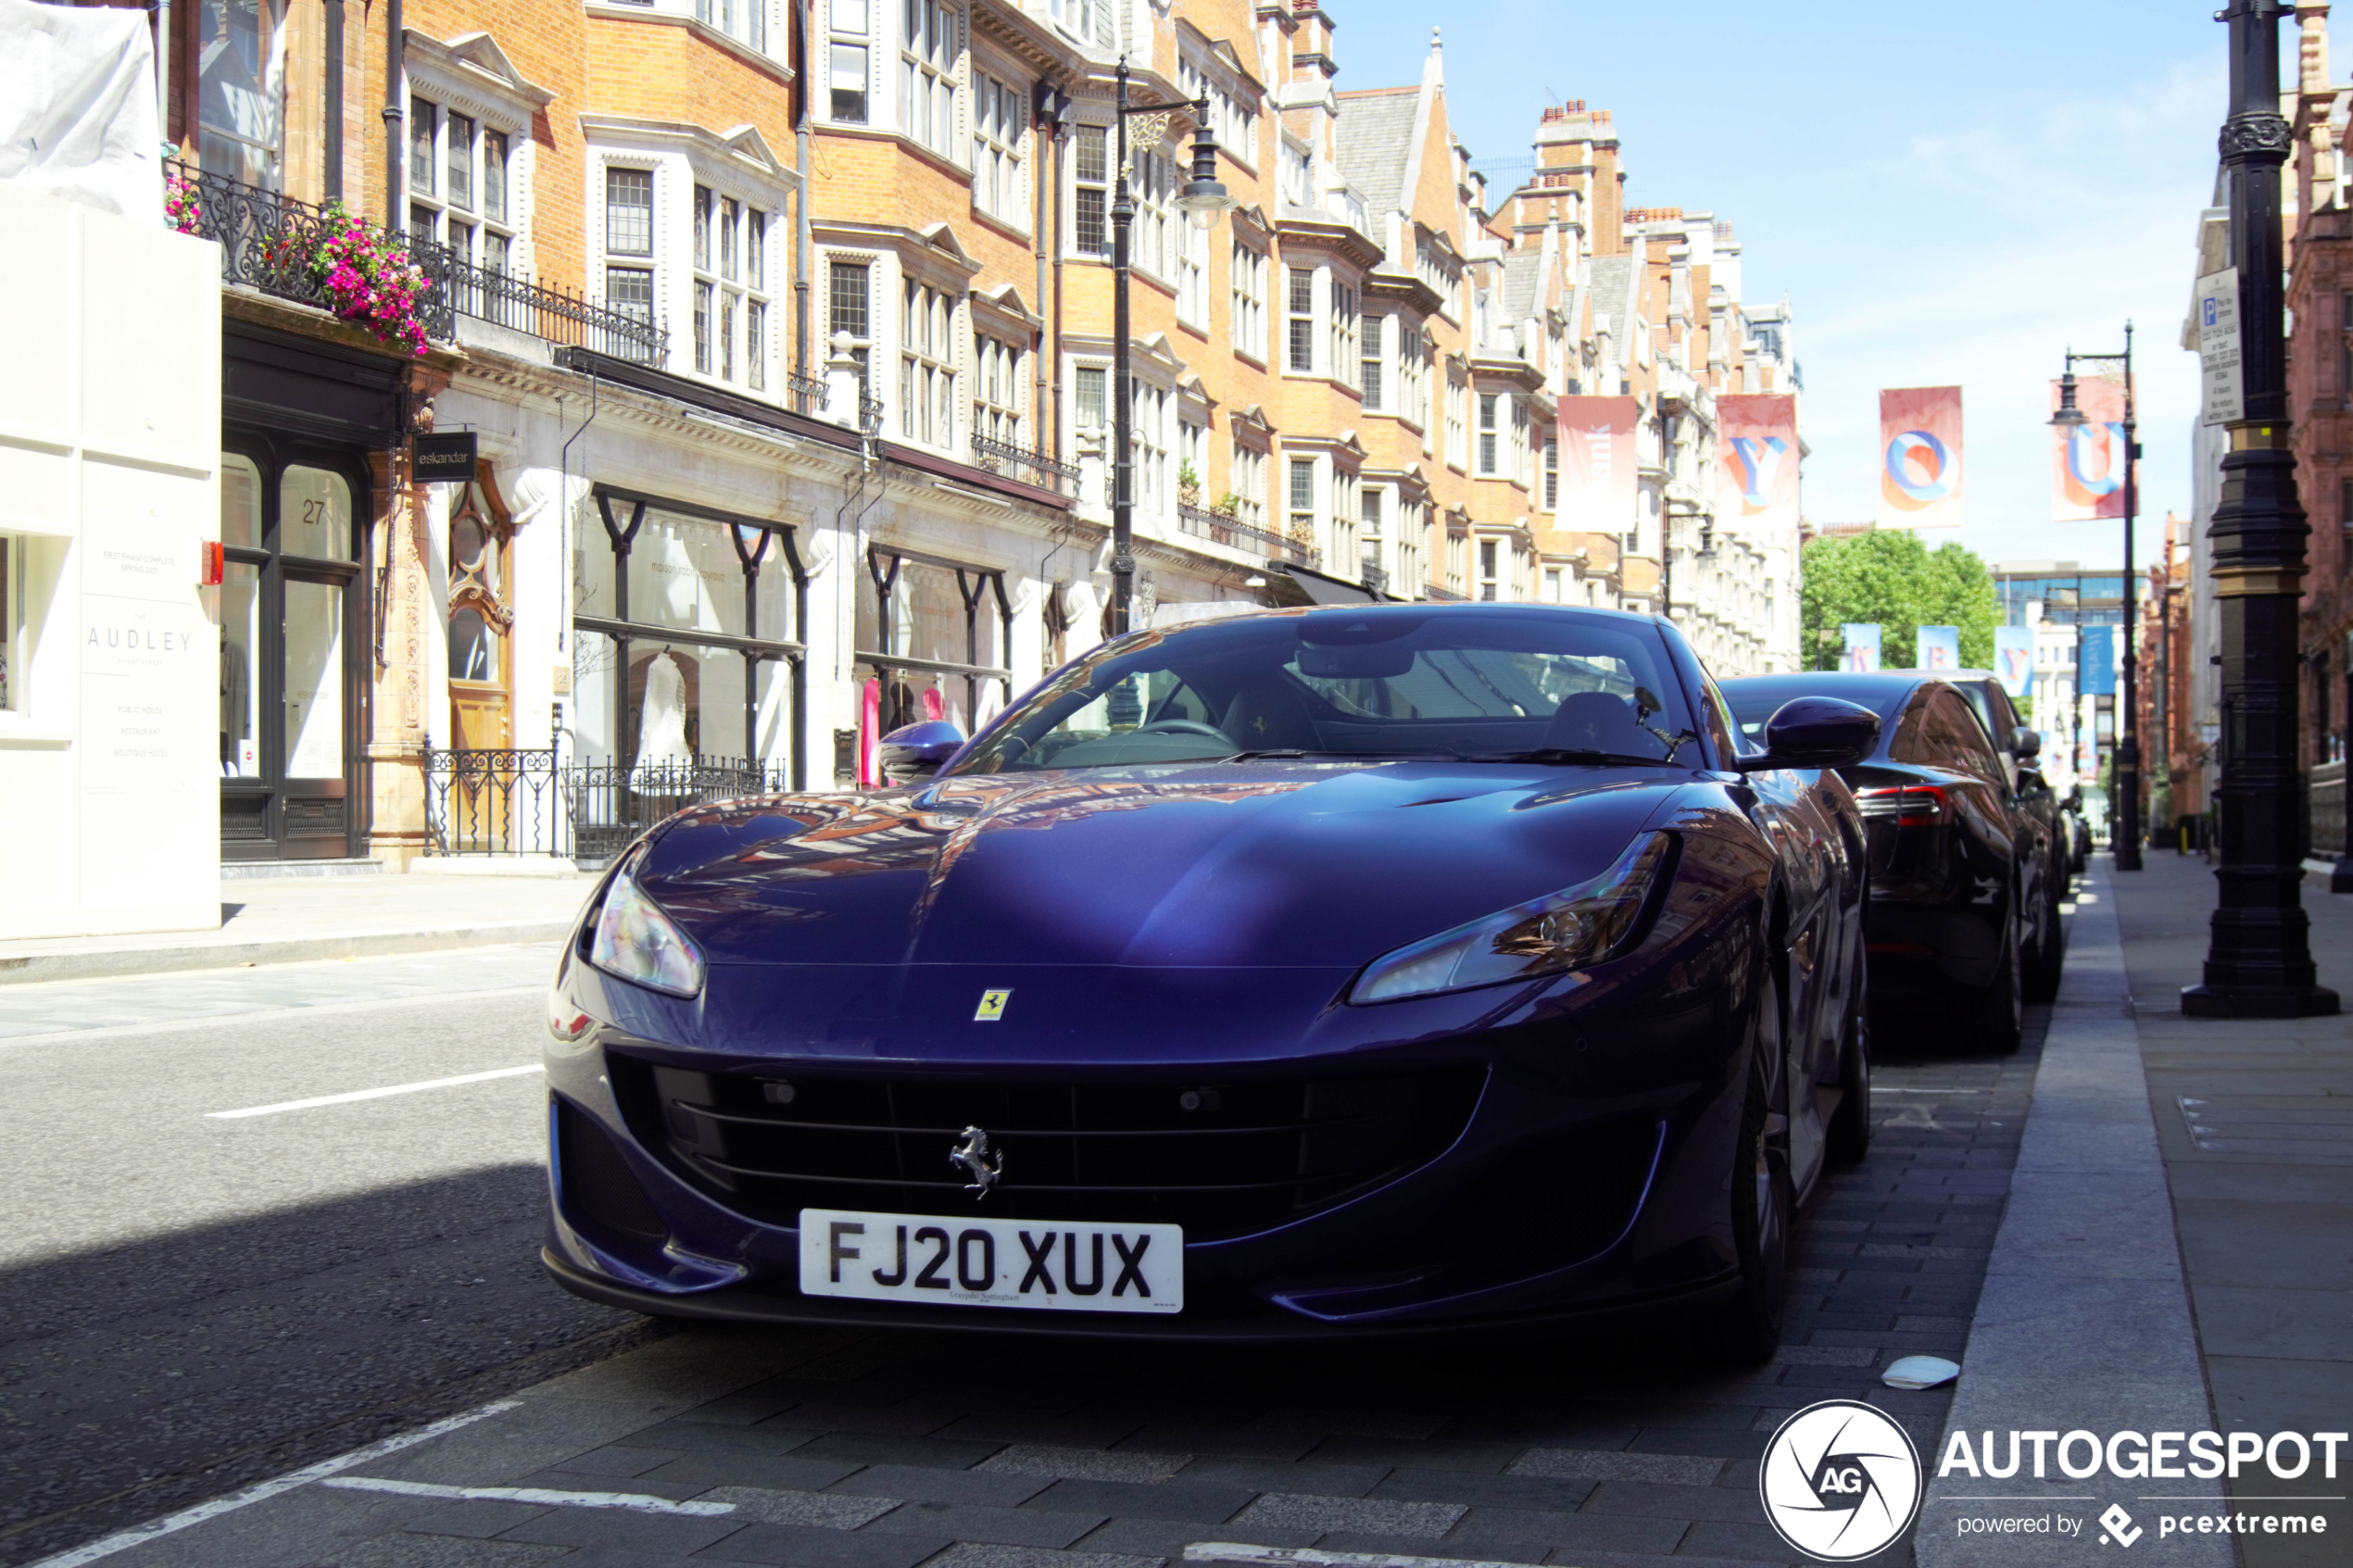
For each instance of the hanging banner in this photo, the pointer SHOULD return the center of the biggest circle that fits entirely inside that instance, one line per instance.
(1937, 647)
(2096, 653)
(2087, 460)
(1597, 464)
(1861, 655)
(1919, 439)
(2014, 659)
(1756, 437)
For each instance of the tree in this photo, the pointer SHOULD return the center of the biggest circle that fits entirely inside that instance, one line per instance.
(1888, 576)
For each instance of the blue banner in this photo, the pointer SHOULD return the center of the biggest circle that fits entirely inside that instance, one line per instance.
(1861, 650)
(2096, 652)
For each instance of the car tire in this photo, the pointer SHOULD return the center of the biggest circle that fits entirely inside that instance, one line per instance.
(1763, 1201)
(2042, 968)
(1848, 1138)
(1995, 1020)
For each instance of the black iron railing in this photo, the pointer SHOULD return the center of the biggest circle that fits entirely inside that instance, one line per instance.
(487, 801)
(269, 241)
(552, 314)
(609, 803)
(869, 415)
(1030, 468)
(804, 394)
(1218, 528)
(492, 802)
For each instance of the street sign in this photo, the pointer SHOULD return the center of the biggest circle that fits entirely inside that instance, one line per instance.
(2222, 398)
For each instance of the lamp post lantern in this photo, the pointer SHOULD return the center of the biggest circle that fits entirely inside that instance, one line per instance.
(2258, 957)
(1201, 197)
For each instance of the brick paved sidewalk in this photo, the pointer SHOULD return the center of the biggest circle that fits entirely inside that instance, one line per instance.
(888, 1451)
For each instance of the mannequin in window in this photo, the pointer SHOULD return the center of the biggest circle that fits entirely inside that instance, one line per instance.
(661, 716)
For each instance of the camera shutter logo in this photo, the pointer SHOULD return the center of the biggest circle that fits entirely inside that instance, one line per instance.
(1839, 1481)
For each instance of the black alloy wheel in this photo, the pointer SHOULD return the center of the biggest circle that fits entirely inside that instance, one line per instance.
(1997, 1021)
(1764, 1202)
(2043, 970)
(1849, 1136)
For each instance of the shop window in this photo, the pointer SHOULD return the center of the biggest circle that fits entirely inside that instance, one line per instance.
(931, 640)
(20, 619)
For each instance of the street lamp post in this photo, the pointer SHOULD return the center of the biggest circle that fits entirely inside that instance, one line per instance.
(2125, 833)
(2259, 957)
(1202, 198)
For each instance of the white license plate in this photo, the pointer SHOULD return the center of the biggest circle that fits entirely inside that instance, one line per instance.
(976, 1262)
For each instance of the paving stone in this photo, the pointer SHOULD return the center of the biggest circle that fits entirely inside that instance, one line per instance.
(771, 1506)
(1170, 1537)
(615, 1461)
(1505, 1491)
(677, 1533)
(434, 1551)
(1522, 1534)
(1757, 1542)
(1651, 1499)
(971, 1522)
(974, 1554)
(1083, 1464)
(805, 1546)
(477, 1517)
(1589, 1465)
(690, 1434)
(929, 1453)
(1437, 1454)
(1207, 1503)
(1318, 1480)
(922, 1483)
(1360, 1515)
(785, 1472)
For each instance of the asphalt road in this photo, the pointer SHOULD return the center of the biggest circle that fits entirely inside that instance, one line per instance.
(190, 1302)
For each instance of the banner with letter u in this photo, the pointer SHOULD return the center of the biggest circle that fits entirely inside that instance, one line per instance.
(2087, 460)
(1756, 442)
(1920, 468)
(1597, 464)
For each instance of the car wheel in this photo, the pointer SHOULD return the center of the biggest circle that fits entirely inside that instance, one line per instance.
(2050, 953)
(1849, 1137)
(1764, 1204)
(1998, 1023)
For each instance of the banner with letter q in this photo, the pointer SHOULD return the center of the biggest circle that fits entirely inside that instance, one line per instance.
(1920, 465)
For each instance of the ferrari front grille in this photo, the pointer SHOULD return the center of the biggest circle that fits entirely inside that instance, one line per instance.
(1221, 1159)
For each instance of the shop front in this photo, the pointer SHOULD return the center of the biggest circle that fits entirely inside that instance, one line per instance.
(306, 425)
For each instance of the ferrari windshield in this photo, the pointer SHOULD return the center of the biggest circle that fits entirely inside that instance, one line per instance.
(1484, 683)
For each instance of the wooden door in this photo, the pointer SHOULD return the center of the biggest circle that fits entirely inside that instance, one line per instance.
(481, 670)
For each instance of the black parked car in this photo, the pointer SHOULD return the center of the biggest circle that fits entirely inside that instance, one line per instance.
(2021, 751)
(1957, 870)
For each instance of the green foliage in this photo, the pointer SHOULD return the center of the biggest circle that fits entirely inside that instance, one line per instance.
(1890, 577)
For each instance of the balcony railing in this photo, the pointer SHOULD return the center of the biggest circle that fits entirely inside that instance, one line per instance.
(805, 395)
(268, 239)
(526, 802)
(1219, 529)
(1439, 594)
(1030, 468)
(552, 314)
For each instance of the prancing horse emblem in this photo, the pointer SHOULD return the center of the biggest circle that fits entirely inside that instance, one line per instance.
(975, 1158)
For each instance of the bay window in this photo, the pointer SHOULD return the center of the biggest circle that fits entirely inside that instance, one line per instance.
(927, 365)
(928, 74)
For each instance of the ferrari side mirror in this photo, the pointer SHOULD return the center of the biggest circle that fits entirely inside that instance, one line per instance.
(1814, 732)
(2025, 745)
(917, 751)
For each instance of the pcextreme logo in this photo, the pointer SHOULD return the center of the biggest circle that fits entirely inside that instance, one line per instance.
(1840, 1480)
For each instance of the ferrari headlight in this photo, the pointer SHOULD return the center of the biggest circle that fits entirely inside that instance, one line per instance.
(634, 940)
(1571, 929)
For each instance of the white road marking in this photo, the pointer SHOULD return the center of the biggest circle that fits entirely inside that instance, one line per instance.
(170, 1523)
(1308, 1557)
(258, 1015)
(636, 1502)
(368, 1094)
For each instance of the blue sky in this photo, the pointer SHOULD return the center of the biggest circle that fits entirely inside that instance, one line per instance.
(1948, 193)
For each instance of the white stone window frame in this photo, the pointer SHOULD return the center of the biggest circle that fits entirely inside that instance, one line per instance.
(1247, 271)
(736, 163)
(733, 296)
(472, 76)
(1153, 401)
(1304, 521)
(1006, 420)
(1246, 473)
(698, 18)
(1233, 107)
(1074, 248)
(878, 277)
(1344, 303)
(935, 364)
(936, 60)
(851, 32)
(748, 22)
(992, 151)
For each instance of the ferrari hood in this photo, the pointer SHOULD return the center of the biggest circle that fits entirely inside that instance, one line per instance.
(1258, 865)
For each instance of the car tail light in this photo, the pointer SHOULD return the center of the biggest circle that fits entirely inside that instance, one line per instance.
(1912, 805)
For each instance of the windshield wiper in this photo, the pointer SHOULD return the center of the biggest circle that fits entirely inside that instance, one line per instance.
(1572, 757)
